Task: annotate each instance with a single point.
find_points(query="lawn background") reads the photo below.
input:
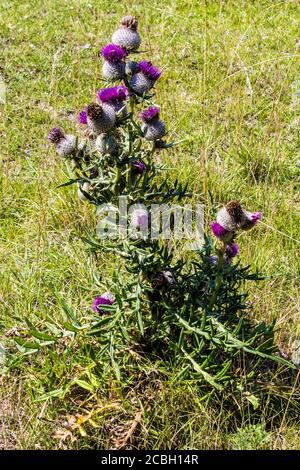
(230, 85)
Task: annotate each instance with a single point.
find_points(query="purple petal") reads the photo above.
(153, 73)
(255, 217)
(232, 250)
(113, 53)
(82, 116)
(149, 113)
(218, 230)
(55, 135)
(111, 95)
(139, 167)
(102, 300)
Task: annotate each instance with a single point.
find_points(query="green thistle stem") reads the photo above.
(219, 275)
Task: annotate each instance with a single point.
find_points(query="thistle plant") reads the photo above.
(188, 312)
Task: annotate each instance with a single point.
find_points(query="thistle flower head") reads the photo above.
(113, 53)
(56, 135)
(232, 250)
(129, 22)
(233, 217)
(82, 116)
(151, 72)
(149, 114)
(105, 299)
(113, 94)
(139, 167)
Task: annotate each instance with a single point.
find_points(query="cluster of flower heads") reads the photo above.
(229, 220)
(101, 117)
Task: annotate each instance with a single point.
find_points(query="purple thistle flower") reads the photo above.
(149, 70)
(82, 116)
(218, 230)
(139, 167)
(112, 95)
(255, 217)
(149, 114)
(56, 135)
(113, 53)
(105, 299)
(232, 250)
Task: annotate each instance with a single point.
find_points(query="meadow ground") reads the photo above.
(230, 85)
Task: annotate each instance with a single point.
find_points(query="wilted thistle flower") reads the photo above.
(139, 218)
(106, 143)
(114, 65)
(65, 143)
(139, 167)
(233, 217)
(114, 97)
(105, 299)
(154, 128)
(127, 36)
(142, 81)
(100, 119)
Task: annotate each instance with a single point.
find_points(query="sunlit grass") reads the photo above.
(229, 87)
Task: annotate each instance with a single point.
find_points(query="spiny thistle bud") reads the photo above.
(105, 299)
(106, 144)
(154, 128)
(65, 143)
(100, 119)
(114, 65)
(114, 97)
(86, 188)
(139, 167)
(127, 36)
(142, 81)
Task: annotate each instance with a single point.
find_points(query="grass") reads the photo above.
(230, 85)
